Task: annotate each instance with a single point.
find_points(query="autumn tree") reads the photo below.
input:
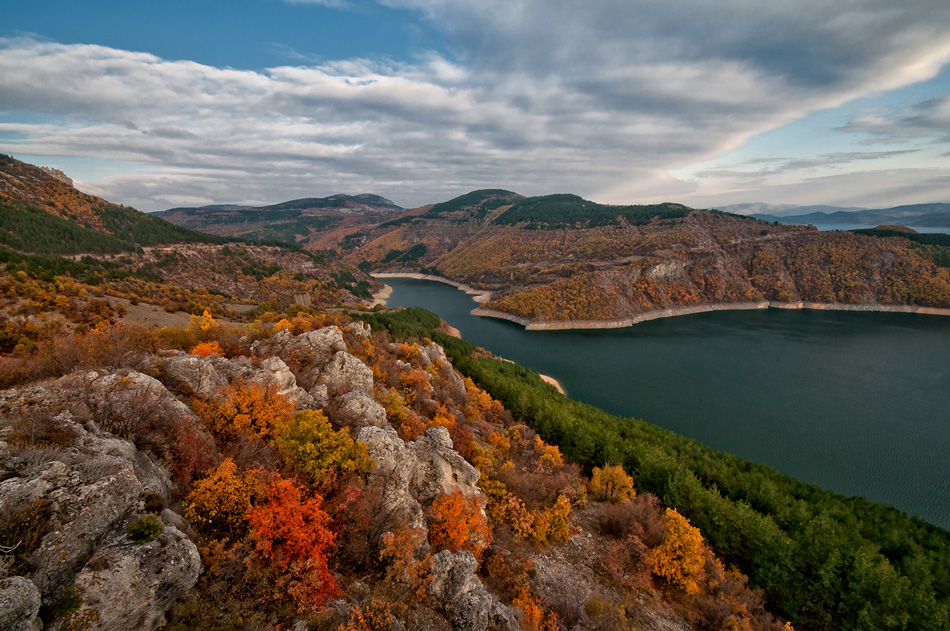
(245, 409)
(681, 557)
(310, 442)
(290, 530)
(207, 349)
(223, 498)
(611, 484)
(457, 523)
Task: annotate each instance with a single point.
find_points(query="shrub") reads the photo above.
(145, 529)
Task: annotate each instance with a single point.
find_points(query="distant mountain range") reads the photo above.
(293, 221)
(934, 215)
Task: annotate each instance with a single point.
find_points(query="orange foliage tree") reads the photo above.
(207, 349)
(680, 559)
(245, 409)
(457, 523)
(290, 530)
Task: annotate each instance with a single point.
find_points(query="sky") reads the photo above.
(186, 103)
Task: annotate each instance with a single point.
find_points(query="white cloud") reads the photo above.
(600, 98)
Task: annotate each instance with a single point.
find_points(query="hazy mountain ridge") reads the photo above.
(293, 221)
(933, 215)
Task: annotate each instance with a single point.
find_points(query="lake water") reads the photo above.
(858, 403)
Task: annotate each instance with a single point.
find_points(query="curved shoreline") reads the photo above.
(481, 297)
(478, 295)
(560, 325)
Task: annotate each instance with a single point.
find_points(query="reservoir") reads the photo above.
(858, 403)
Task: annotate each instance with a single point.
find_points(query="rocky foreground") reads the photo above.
(100, 468)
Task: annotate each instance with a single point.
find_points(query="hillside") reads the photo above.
(315, 474)
(71, 259)
(292, 222)
(561, 258)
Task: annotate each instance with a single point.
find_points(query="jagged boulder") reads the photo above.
(207, 376)
(358, 409)
(195, 375)
(435, 354)
(345, 373)
(359, 329)
(88, 485)
(313, 348)
(130, 586)
(463, 597)
(275, 371)
(416, 473)
(19, 605)
(83, 512)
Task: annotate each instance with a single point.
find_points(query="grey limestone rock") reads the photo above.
(345, 373)
(416, 473)
(196, 375)
(358, 409)
(463, 598)
(359, 329)
(19, 605)
(129, 585)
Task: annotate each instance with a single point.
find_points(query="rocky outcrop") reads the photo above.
(207, 376)
(193, 375)
(417, 472)
(358, 409)
(463, 597)
(345, 373)
(131, 586)
(91, 487)
(19, 605)
(313, 348)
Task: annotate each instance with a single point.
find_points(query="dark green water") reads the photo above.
(858, 403)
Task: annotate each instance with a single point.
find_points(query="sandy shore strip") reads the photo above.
(554, 382)
(478, 295)
(560, 325)
(380, 297)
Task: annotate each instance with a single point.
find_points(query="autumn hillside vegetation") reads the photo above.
(302, 463)
(824, 561)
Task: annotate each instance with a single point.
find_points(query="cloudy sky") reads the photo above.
(184, 102)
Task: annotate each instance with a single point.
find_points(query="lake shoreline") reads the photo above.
(482, 296)
(478, 295)
(564, 325)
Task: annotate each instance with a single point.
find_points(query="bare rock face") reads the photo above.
(313, 348)
(345, 373)
(320, 345)
(464, 599)
(129, 586)
(275, 371)
(436, 355)
(192, 374)
(91, 485)
(19, 605)
(206, 376)
(416, 473)
(359, 409)
(359, 329)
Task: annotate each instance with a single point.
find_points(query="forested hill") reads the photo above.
(294, 221)
(41, 211)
